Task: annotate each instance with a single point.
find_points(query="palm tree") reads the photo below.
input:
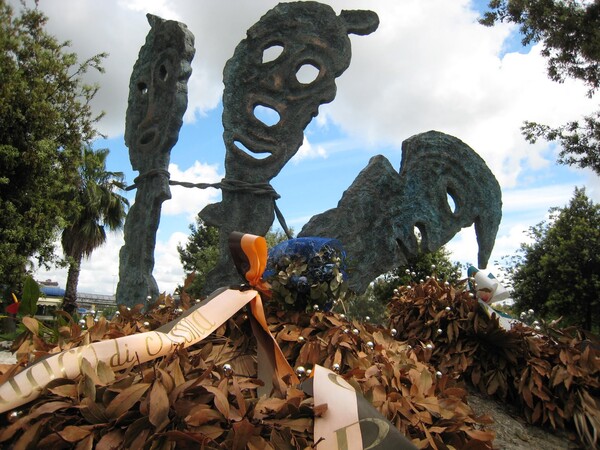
(100, 207)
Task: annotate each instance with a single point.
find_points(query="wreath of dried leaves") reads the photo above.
(189, 400)
(554, 376)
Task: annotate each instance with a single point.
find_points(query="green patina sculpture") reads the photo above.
(307, 34)
(157, 102)
(377, 216)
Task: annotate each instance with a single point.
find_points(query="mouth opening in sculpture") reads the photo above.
(256, 155)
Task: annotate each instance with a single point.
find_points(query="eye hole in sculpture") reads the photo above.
(307, 73)
(249, 152)
(143, 88)
(451, 201)
(272, 53)
(163, 73)
(266, 115)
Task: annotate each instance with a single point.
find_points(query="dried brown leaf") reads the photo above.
(242, 431)
(159, 406)
(111, 440)
(126, 399)
(73, 433)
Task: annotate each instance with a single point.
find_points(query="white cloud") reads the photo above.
(309, 151)
(190, 201)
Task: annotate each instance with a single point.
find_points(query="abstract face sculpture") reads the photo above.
(158, 94)
(266, 71)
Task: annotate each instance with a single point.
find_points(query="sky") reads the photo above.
(429, 66)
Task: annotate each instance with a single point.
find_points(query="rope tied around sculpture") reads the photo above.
(225, 184)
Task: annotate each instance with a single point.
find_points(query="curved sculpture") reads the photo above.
(376, 218)
(307, 35)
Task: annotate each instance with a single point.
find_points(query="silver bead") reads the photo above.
(536, 322)
(393, 332)
(413, 274)
(407, 271)
(427, 277)
(308, 372)
(345, 330)
(301, 339)
(446, 283)
(438, 374)
(227, 370)
(421, 281)
(13, 416)
(409, 347)
(440, 331)
(118, 313)
(301, 372)
(179, 310)
(471, 295)
(146, 324)
(316, 307)
(128, 308)
(335, 367)
(162, 306)
(523, 315)
(429, 346)
(82, 321)
(245, 317)
(447, 308)
(198, 300)
(149, 298)
(370, 345)
(342, 316)
(367, 318)
(355, 332)
(433, 267)
(537, 328)
(408, 288)
(531, 312)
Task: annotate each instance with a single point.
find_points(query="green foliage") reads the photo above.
(558, 274)
(45, 115)
(31, 295)
(98, 206)
(570, 35)
(199, 255)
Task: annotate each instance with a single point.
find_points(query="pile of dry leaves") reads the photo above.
(205, 396)
(554, 375)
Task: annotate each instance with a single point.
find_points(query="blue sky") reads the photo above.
(430, 65)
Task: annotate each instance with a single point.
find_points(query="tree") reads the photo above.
(45, 115)
(99, 206)
(199, 255)
(569, 31)
(374, 301)
(558, 274)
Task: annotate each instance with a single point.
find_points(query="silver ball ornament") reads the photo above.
(227, 370)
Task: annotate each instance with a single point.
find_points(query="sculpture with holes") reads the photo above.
(157, 101)
(274, 84)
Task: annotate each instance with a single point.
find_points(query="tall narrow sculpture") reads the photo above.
(157, 102)
(308, 36)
